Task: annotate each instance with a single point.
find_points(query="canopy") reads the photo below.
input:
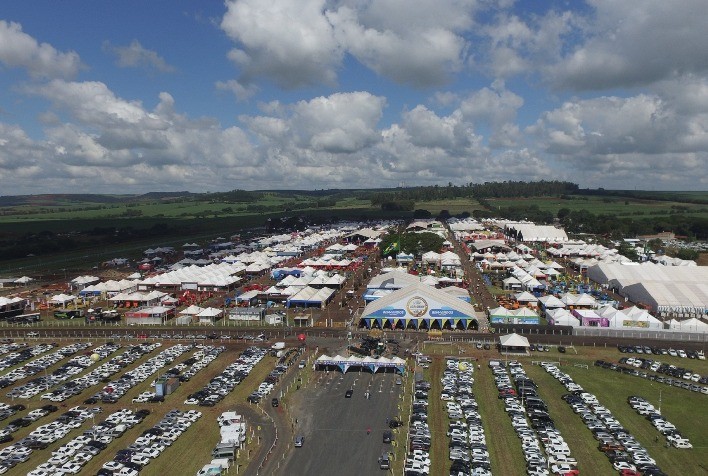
(514, 340)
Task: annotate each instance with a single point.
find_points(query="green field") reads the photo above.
(454, 206)
(599, 205)
(685, 409)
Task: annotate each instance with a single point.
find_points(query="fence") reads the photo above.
(669, 335)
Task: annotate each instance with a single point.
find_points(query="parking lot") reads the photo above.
(335, 427)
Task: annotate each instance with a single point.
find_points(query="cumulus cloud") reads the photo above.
(41, 60)
(93, 103)
(303, 42)
(288, 41)
(633, 43)
(657, 137)
(136, 55)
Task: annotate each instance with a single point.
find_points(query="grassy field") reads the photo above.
(503, 443)
(583, 446)
(437, 421)
(687, 410)
(454, 206)
(619, 206)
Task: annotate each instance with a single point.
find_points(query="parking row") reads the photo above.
(27, 420)
(44, 435)
(532, 422)
(667, 369)
(7, 411)
(100, 374)
(645, 349)
(666, 428)
(419, 436)
(683, 379)
(7, 347)
(183, 371)
(131, 460)
(24, 354)
(623, 450)
(73, 366)
(557, 451)
(222, 384)
(115, 389)
(265, 387)
(468, 445)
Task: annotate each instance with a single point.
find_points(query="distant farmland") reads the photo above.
(603, 205)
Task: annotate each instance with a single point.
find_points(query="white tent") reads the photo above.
(209, 315)
(551, 302)
(689, 325)
(514, 343)
(62, 299)
(633, 317)
(192, 310)
(562, 317)
(526, 297)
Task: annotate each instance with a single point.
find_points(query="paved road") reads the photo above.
(335, 428)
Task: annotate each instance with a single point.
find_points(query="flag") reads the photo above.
(395, 246)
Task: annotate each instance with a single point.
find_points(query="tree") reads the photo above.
(627, 250)
(655, 244)
(414, 243)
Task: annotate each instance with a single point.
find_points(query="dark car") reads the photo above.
(561, 349)
(275, 402)
(394, 423)
(349, 393)
(97, 444)
(387, 436)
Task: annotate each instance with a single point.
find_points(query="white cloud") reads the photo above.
(92, 103)
(631, 43)
(303, 42)
(288, 41)
(136, 55)
(41, 60)
(646, 139)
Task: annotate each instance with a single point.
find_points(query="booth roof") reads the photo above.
(513, 340)
(424, 290)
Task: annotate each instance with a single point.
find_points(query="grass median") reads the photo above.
(687, 410)
(502, 442)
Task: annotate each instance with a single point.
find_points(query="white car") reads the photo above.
(127, 472)
(682, 444)
(112, 466)
(71, 468)
(620, 465)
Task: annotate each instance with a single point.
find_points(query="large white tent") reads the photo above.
(679, 291)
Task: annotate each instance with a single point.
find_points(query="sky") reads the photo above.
(205, 96)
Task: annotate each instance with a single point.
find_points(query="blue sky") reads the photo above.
(134, 96)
